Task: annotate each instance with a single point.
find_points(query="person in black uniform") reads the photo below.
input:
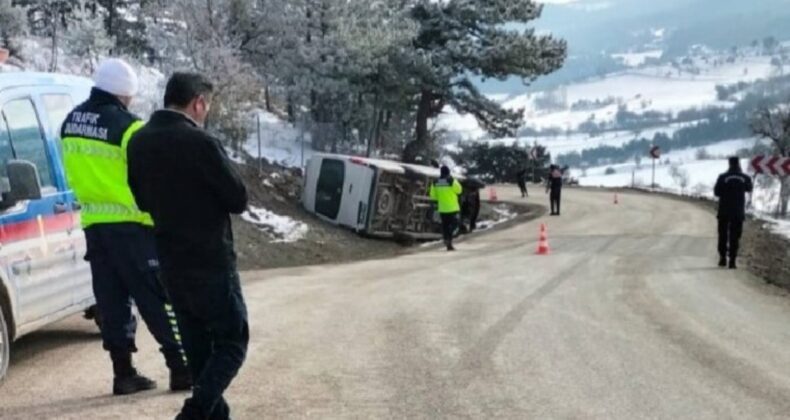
(554, 187)
(181, 175)
(521, 180)
(731, 188)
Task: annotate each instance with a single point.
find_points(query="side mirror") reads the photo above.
(24, 180)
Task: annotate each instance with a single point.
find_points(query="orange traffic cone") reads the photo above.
(543, 245)
(492, 194)
(616, 199)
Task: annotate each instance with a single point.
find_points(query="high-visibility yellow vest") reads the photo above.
(95, 163)
(445, 192)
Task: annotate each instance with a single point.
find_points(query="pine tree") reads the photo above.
(204, 36)
(461, 39)
(86, 36)
(13, 24)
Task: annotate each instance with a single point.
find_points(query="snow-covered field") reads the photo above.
(577, 142)
(653, 88)
(638, 59)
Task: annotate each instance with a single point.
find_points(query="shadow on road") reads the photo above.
(40, 342)
(68, 407)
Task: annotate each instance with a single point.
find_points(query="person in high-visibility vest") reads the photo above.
(445, 192)
(120, 240)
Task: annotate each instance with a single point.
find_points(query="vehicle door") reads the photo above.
(31, 230)
(56, 103)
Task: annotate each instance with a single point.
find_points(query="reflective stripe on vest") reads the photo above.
(111, 209)
(97, 173)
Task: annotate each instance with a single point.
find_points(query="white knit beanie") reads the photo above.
(117, 77)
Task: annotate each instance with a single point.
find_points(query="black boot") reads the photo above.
(190, 411)
(723, 262)
(733, 266)
(127, 380)
(180, 379)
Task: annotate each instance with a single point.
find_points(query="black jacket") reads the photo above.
(102, 118)
(731, 188)
(182, 176)
(554, 182)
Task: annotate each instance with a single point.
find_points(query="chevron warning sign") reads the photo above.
(771, 165)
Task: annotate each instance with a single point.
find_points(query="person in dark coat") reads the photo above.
(554, 188)
(182, 176)
(521, 180)
(731, 188)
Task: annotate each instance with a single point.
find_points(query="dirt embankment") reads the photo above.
(278, 189)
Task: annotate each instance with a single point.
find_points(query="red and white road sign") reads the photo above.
(771, 165)
(655, 152)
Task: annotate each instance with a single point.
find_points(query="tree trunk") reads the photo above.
(784, 196)
(422, 136)
(53, 65)
(267, 98)
(423, 114)
(372, 132)
(379, 126)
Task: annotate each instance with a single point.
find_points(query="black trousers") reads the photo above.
(730, 231)
(449, 224)
(555, 196)
(523, 187)
(125, 269)
(212, 317)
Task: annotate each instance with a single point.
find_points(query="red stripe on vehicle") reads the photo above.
(14, 232)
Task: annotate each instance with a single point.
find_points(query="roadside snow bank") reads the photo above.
(503, 214)
(282, 228)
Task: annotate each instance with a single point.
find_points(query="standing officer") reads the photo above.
(731, 188)
(521, 180)
(120, 241)
(554, 187)
(181, 174)
(445, 191)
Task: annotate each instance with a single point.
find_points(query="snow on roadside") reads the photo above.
(282, 228)
(504, 214)
(781, 227)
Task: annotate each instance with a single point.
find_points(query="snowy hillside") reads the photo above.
(662, 88)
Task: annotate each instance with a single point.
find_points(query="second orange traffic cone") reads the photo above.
(492, 194)
(543, 245)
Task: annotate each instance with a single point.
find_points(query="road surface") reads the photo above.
(627, 319)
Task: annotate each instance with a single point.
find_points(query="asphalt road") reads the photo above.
(627, 319)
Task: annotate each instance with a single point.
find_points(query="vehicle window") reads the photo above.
(6, 153)
(58, 107)
(329, 192)
(27, 140)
